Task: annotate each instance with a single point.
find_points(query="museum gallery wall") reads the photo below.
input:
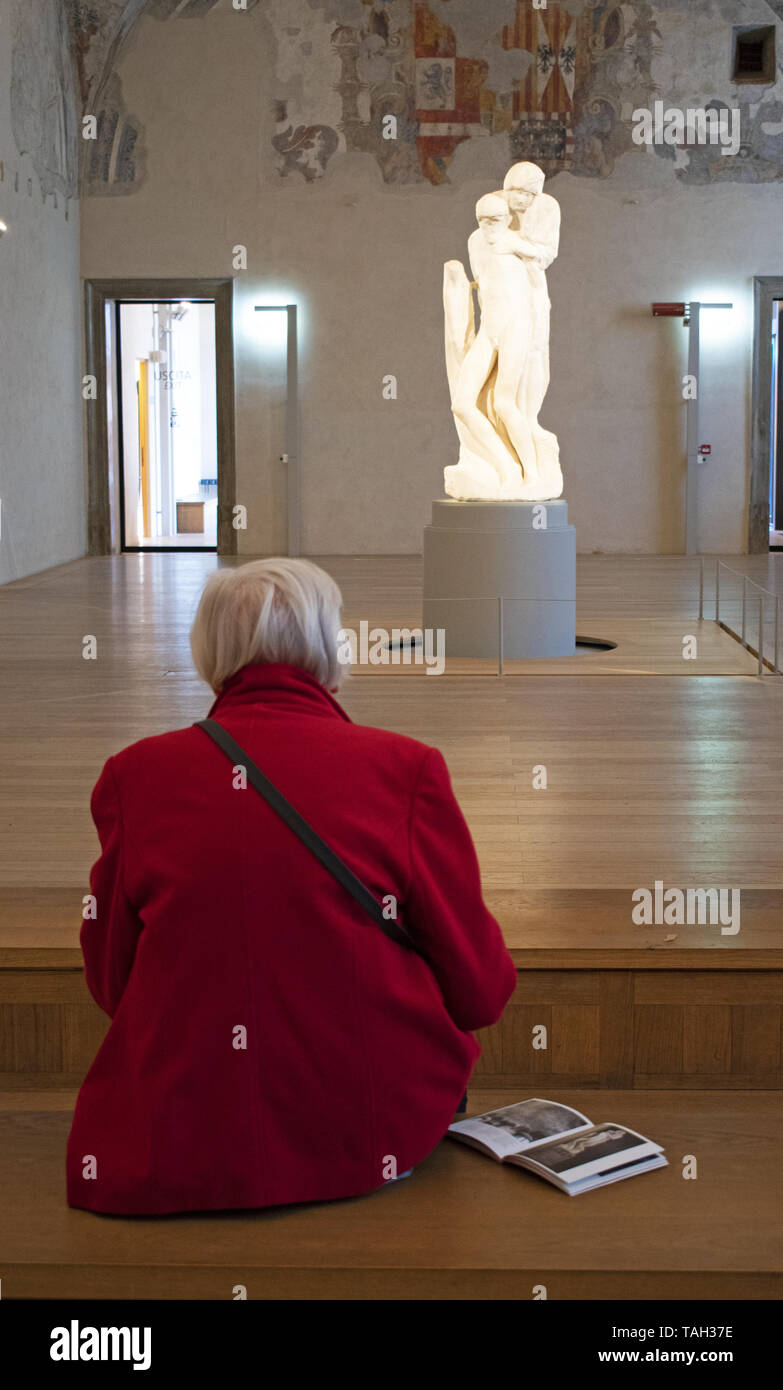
(41, 462)
(345, 158)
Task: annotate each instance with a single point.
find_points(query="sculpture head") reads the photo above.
(521, 184)
(493, 216)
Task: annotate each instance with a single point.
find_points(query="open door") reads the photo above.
(168, 445)
(191, 492)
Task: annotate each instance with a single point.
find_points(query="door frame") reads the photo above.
(776, 518)
(766, 289)
(97, 295)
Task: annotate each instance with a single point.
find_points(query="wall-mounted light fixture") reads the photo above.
(3, 226)
(290, 456)
(689, 312)
(682, 310)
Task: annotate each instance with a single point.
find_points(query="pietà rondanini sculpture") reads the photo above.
(499, 372)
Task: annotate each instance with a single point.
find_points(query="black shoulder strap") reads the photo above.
(304, 830)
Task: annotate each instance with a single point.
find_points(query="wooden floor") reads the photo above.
(643, 647)
(657, 769)
(461, 1227)
(670, 778)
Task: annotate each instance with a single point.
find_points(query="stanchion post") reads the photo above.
(500, 636)
(761, 634)
(701, 587)
(744, 605)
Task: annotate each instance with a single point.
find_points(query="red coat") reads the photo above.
(212, 918)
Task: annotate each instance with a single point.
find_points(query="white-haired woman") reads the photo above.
(293, 992)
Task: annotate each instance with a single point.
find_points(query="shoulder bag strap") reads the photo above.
(305, 832)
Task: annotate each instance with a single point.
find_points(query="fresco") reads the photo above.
(116, 161)
(556, 85)
(758, 160)
(190, 9)
(550, 82)
(43, 110)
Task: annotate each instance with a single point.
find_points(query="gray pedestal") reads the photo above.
(478, 552)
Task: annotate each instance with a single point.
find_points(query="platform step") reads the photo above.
(622, 1006)
(656, 1029)
(461, 1227)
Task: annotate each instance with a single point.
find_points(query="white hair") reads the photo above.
(268, 610)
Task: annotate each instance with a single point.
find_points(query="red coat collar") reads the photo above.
(281, 685)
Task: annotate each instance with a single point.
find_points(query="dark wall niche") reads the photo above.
(753, 54)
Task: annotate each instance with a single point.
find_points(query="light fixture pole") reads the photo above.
(292, 432)
(690, 312)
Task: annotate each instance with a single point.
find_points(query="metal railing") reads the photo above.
(742, 636)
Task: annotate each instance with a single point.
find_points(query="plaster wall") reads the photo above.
(359, 244)
(41, 451)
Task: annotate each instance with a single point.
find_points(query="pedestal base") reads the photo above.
(523, 552)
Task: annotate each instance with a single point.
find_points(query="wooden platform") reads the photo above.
(646, 778)
(623, 1006)
(571, 928)
(462, 1227)
(718, 1030)
(668, 778)
(675, 1031)
(643, 647)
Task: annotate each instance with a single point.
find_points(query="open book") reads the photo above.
(560, 1144)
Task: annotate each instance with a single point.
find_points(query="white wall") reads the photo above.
(194, 439)
(363, 259)
(41, 460)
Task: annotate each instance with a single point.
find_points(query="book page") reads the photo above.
(514, 1128)
(595, 1150)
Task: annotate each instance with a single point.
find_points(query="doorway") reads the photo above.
(765, 518)
(167, 420)
(160, 416)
